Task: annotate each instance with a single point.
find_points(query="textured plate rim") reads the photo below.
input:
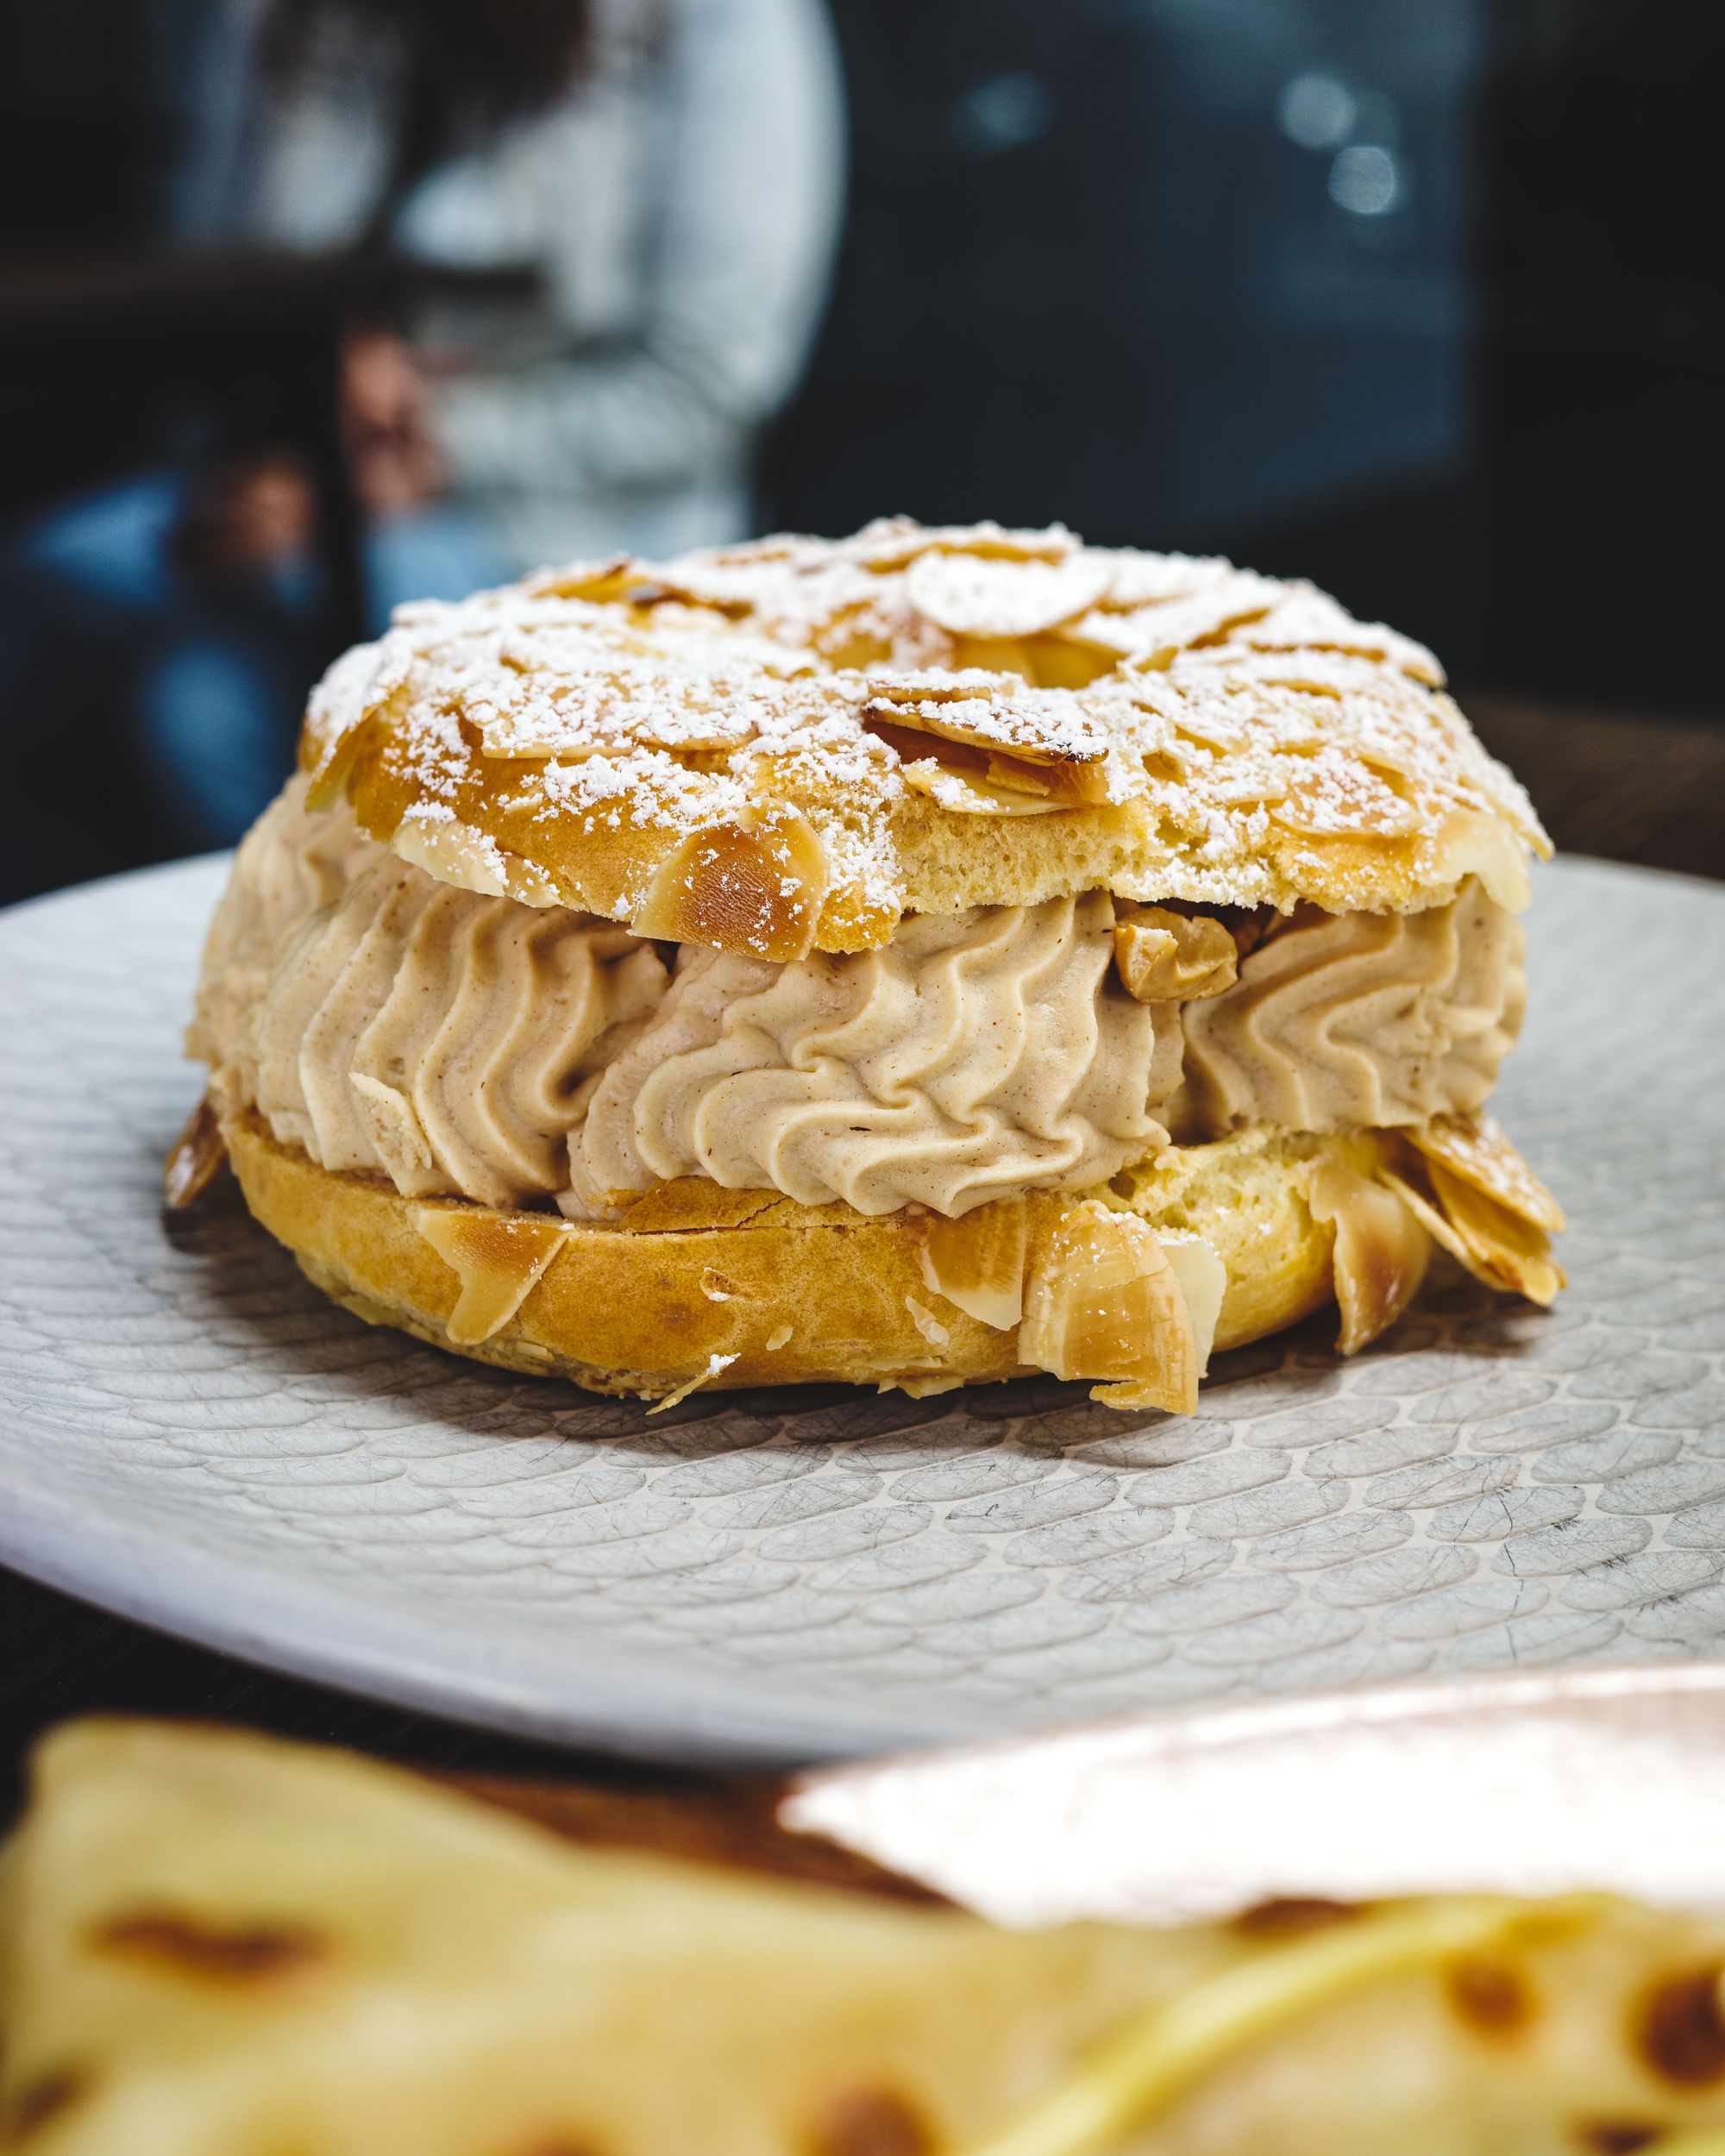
(304, 1629)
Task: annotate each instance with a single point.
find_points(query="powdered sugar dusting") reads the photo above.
(984, 595)
(1249, 740)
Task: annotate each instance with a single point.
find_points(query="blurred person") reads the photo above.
(669, 168)
(667, 173)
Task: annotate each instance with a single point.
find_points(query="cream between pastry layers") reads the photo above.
(1096, 1111)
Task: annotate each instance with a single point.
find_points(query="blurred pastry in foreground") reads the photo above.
(213, 1944)
(914, 960)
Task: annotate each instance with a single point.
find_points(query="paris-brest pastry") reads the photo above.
(918, 959)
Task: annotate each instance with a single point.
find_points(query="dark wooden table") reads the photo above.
(1638, 789)
(1615, 784)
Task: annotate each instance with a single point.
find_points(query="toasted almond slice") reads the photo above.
(983, 711)
(335, 758)
(549, 736)
(397, 1136)
(1074, 784)
(1203, 1281)
(456, 853)
(196, 1159)
(1306, 618)
(893, 542)
(499, 1257)
(978, 595)
(1329, 795)
(591, 690)
(1147, 579)
(754, 885)
(977, 1261)
(1512, 1252)
(1475, 1148)
(965, 793)
(1153, 636)
(1425, 1209)
(1163, 958)
(985, 781)
(1493, 1243)
(1101, 1299)
(933, 1331)
(1380, 1250)
(341, 710)
(598, 581)
(1471, 843)
(715, 1364)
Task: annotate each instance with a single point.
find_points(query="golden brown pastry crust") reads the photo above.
(696, 1272)
(788, 746)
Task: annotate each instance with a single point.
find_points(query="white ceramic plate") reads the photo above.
(192, 1437)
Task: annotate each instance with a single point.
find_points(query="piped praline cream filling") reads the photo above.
(459, 1044)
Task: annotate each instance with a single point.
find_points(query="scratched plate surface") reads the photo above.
(194, 1436)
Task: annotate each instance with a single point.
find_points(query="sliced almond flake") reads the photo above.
(1164, 957)
(1512, 1250)
(881, 629)
(1261, 784)
(715, 1364)
(1151, 636)
(970, 794)
(933, 1331)
(398, 1137)
(1475, 1148)
(1305, 618)
(1470, 842)
(595, 581)
(199, 1153)
(736, 587)
(1148, 580)
(1380, 1250)
(1203, 1281)
(753, 885)
(1208, 724)
(500, 1258)
(1498, 1247)
(1330, 796)
(357, 683)
(971, 595)
(429, 836)
(780, 1337)
(893, 542)
(619, 704)
(977, 1261)
(1305, 670)
(1101, 1301)
(1044, 726)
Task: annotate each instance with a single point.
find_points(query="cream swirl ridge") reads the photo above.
(289, 865)
(384, 1022)
(979, 1053)
(389, 1024)
(1359, 1020)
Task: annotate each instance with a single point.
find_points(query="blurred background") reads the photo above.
(310, 306)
